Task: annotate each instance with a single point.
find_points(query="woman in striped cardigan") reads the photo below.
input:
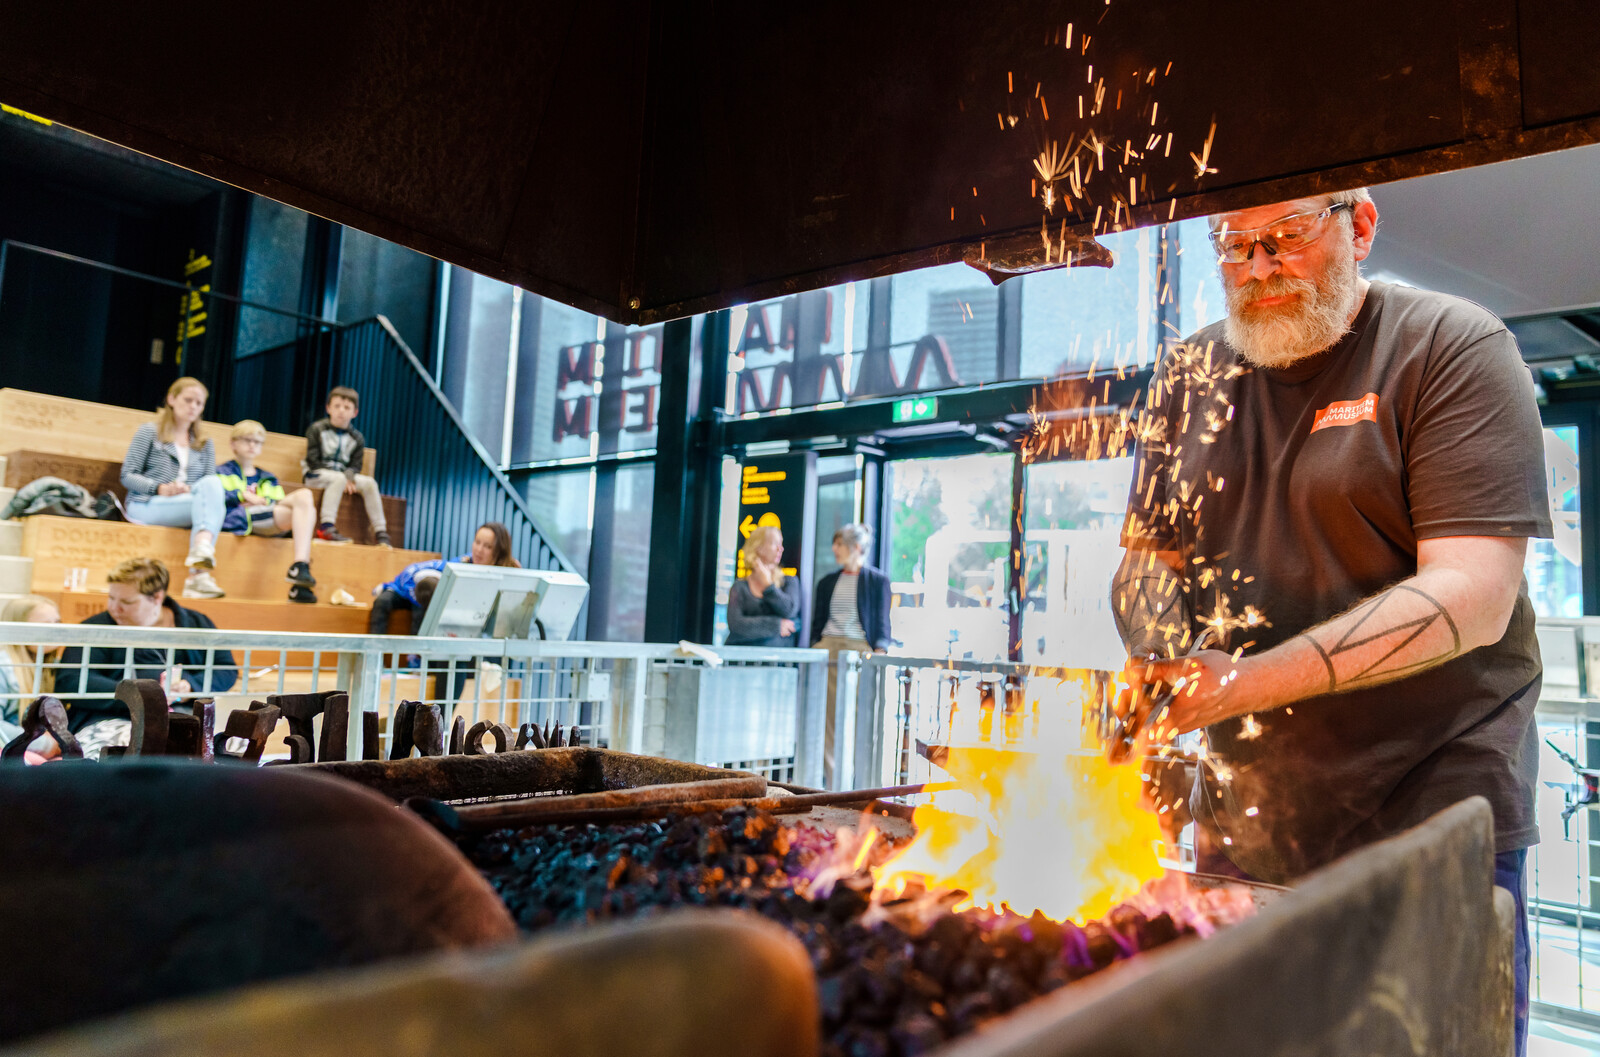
(171, 477)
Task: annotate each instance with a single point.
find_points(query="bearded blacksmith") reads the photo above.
(1341, 479)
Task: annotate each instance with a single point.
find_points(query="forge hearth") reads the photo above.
(1400, 948)
(895, 979)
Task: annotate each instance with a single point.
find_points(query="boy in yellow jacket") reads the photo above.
(258, 506)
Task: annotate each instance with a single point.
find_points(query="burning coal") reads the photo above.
(895, 976)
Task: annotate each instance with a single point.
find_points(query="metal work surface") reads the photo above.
(649, 161)
(573, 770)
(1397, 948)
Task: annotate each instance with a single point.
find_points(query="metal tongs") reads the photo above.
(1125, 730)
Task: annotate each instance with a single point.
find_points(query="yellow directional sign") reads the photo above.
(777, 492)
(768, 520)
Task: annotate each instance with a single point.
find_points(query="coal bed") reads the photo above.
(897, 977)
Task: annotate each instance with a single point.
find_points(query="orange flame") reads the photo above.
(1052, 829)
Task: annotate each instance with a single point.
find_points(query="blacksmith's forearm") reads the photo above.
(1417, 624)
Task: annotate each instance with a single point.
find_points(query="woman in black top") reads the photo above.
(138, 598)
(763, 608)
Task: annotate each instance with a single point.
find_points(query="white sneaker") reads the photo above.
(201, 584)
(202, 556)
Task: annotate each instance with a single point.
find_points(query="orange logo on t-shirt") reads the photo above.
(1347, 412)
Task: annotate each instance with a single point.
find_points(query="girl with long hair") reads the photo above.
(170, 473)
(22, 675)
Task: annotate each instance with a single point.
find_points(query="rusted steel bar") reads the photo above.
(652, 799)
(561, 771)
(629, 806)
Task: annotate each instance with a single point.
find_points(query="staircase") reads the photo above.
(450, 483)
(16, 571)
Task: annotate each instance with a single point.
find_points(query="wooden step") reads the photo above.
(100, 475)
(80, 428)
(249, 568)
(321, 618)
(92, 475)
(16, 575)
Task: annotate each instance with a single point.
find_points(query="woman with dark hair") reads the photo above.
(412, 588)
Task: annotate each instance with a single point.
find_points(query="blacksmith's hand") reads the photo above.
(1203, 692)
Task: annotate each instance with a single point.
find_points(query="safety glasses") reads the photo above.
(1288, 235)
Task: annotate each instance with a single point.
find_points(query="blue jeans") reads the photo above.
(1511, 873)
(201, 510)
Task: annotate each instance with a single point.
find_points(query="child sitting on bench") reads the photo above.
(334, 451)
(258, 506)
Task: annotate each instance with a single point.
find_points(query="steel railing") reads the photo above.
(629, 696)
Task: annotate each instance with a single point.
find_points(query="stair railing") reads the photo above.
(427, 454)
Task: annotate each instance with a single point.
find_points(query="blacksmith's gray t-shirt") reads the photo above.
(1315, 483)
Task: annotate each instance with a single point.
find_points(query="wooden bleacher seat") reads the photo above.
(249, 569)
(84, 442)
(320, 619)
(58, 425)
(99, 475)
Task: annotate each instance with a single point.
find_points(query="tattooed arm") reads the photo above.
(1150, 603)
(1461, 598)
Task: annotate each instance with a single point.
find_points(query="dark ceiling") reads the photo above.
(648, 160)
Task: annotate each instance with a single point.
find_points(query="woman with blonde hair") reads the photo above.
(763, 606)
(170, 473)
(22, 676)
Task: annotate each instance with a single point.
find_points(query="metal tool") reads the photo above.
(1583, 792)
(1125, 730)
(47, 715)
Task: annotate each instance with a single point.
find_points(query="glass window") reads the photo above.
(624, 505)
(273, 261)
(563, 503)
(1076, 317)
(1071, 525)
(1555, 566)
(561, 357)
(584, 386)
(838, 505)
(952, 303)
(948, 543)
(727, 560)
(797, 351)
(1199, 284)
(477, 354)
(378, 277)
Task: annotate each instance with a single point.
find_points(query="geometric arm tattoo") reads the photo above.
(1387, 637)
(1150, 605)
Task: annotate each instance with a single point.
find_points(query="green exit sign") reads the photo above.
(916, 409)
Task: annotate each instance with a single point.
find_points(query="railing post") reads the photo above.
(808, 719)
(840, 724)
(868, 722)
(629, 686)
(363, 685)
